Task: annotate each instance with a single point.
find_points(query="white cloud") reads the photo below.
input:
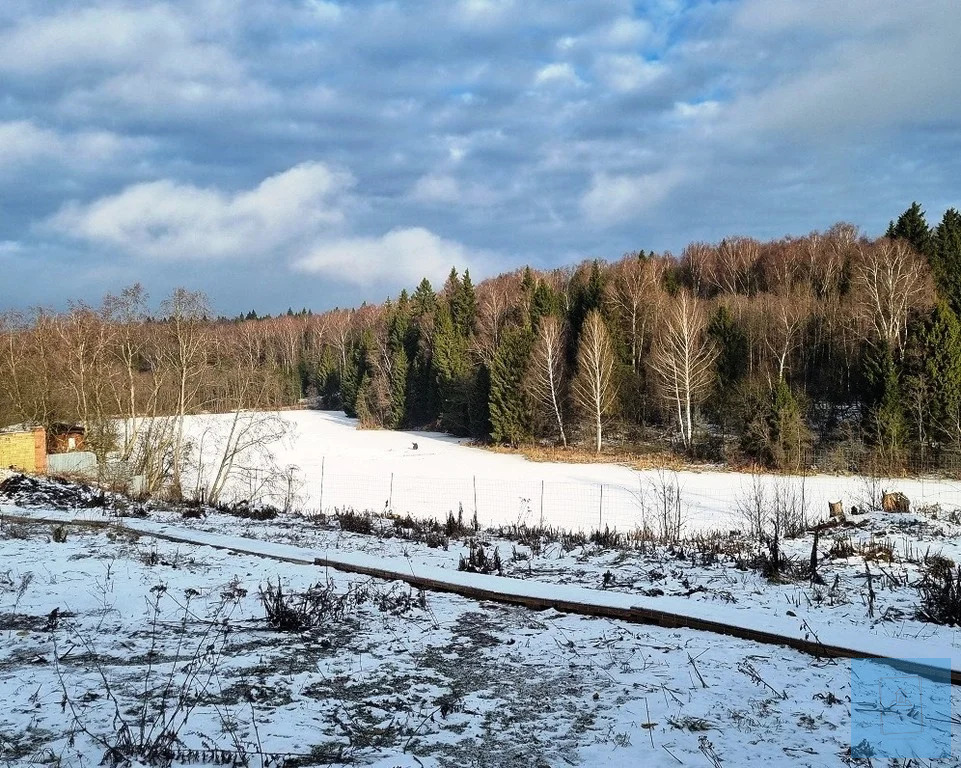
(326, 11)
(169, 221)
(444, 188)
(108, 36)
(627, 72)
(626, 32)
(879, 66)
(399, 256)
(436, 188)
(612, 199)
(558, 73)
(23, 142)
(153, 58)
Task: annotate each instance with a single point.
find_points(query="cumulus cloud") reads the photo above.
(23, 142)
(170, 221)
(477, 120)
(612, 199)
(402, 256)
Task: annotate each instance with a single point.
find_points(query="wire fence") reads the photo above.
(665, 502)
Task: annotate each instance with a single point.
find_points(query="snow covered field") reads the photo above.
(336, 465)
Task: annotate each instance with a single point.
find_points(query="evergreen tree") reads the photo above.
(913, 227)
(933, 377)
(422, 397)
(399, 371)
(544, 302)
(357, 370)
(463, 303)
(730, 366)
(775, 433)
(510, 407)
(586, 296)
(946, 259)
(452, 368)
(886, 416)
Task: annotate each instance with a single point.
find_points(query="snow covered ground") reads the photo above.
(97, 622)
(92, 622)
(336, 465)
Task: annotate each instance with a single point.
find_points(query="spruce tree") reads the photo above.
(730, 366)
(934, 376)
(912, 226)
(452, 369)
(510, 407)
(946, 259)
(886, 418)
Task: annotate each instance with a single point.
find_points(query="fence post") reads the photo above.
(475, 495)
(322, 460)
(600, 510)
(390, 494)
(542, 503)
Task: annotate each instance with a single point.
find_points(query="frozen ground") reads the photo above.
(395, 679)
(336, 465)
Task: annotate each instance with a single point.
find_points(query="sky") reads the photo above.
(292, 153)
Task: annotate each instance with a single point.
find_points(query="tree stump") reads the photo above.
(836, 510)
(895, 502)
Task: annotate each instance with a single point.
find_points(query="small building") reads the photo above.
(24, 447)
(65, 438)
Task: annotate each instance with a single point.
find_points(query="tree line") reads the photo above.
(816, 348)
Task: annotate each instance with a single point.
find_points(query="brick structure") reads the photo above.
(24, 448)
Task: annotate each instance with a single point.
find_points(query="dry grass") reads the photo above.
(577, 455)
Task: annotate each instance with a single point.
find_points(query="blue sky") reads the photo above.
(317, 153)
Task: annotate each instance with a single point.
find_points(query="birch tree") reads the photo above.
(683, 360)
(892, 280)
(185, 354)
(594, 390)
(546, 373)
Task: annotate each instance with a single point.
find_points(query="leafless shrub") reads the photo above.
(149, 732)
(940, 592)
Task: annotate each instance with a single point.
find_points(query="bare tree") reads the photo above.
(185, 354)
(634, 294)
(128, 312)
(594, 390)
(683, 359)
(546, 373)
(891, 280)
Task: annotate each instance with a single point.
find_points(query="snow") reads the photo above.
(92, 622)
(828, 634)
(337, 465)
(455, 682)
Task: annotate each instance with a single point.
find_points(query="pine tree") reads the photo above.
(510, 408)
(946, 259)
